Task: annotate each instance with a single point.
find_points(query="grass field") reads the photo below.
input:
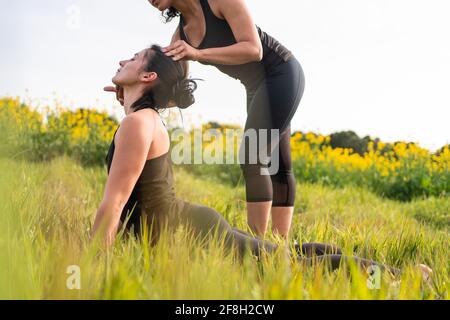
(47, 209)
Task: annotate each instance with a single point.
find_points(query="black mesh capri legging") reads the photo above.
(271, 106)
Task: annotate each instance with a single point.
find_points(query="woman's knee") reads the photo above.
(258, 184)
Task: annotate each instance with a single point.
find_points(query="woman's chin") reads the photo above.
(116, 81)
(162, 8)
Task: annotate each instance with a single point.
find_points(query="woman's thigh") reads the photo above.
(275, 101)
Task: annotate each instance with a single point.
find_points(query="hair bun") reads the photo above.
(183, 93)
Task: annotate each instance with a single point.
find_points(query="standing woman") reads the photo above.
(222, 33)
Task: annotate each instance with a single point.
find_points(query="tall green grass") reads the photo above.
(47, 210)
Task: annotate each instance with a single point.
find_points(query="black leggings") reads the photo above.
(272, 105)
(205, 221)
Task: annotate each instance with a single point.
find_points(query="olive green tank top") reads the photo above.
(154, 192)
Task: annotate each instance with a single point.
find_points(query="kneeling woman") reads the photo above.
(140, 176)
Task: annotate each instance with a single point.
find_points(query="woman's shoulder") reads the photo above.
(138, 122)
(141, 117)
(216, 7)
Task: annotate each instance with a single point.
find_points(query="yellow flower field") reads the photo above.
(399, 170)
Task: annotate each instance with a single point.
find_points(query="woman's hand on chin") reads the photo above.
(118, 91)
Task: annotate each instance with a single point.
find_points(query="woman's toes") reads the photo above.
(427, 272)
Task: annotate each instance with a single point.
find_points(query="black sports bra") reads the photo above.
(219, 34)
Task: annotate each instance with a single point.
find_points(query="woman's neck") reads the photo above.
(130, 96)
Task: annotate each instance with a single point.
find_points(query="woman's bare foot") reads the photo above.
(427, 272)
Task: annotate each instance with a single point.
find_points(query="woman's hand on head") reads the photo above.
(181, 50)
(118, 91)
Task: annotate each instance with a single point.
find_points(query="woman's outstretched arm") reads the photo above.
(247, 49)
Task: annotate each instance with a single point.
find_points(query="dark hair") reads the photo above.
(172, 85)
(170, 13)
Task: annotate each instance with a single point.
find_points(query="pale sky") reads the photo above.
(377, 67)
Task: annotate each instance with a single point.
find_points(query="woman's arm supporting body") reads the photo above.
(247, 49)
(132, 144)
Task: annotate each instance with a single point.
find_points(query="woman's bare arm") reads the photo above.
(247, 49)
(128, 162)
(175, 38)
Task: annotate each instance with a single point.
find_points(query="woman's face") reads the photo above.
(161, 5)
(131, 71)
